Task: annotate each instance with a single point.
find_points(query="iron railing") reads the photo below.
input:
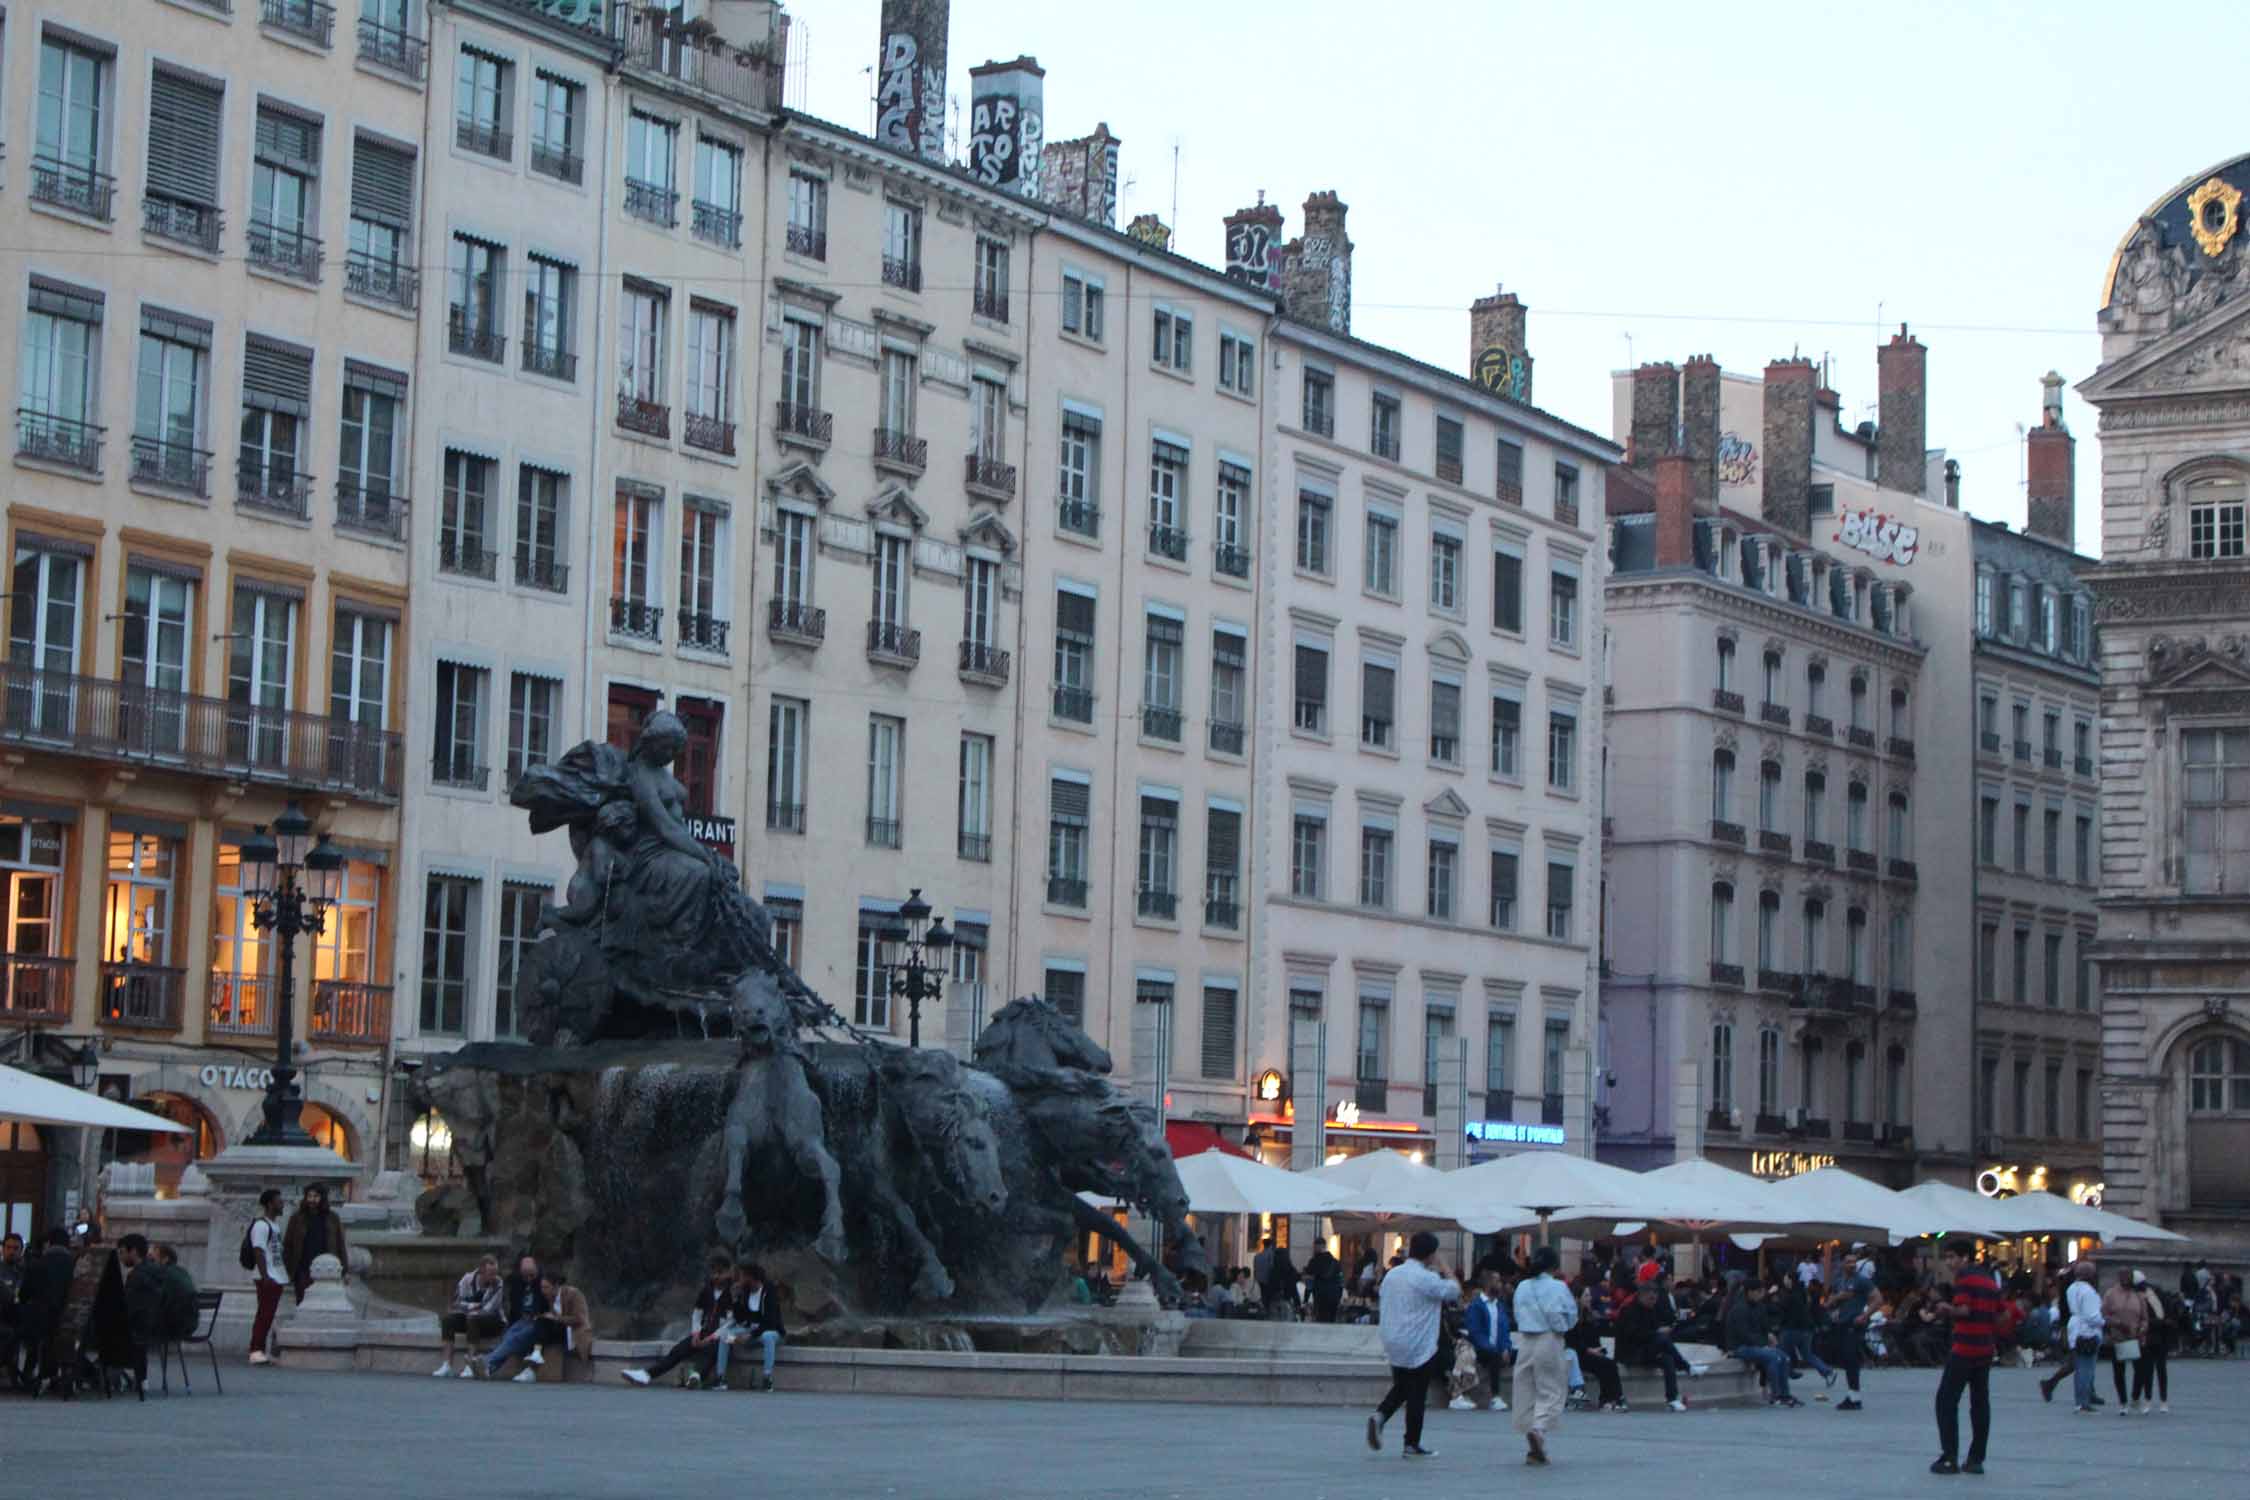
(36, 988)
(1729, 975)
(711, 434)
(656, 39)
(1772, 842)
(457, 767)
(145, 997)
(989, 476)
(476, 338)
(558, 162)
(1079, 518)
(704, 632)
(1902, 747)
(309, 19)
(1066, 890)
(804, 240)
(349, 1013)
(182, 222)
(985, 663)
(554, 363)
(547, 574)
(991, 302)
(896, 642)
(284, 251)
(1723, 832)
(1160, 723)
(1161, 905)
(370, 508)
(901, 450)
(804, 424)
(792, 619)
(720, 226)
(381, 279)
(885, 833)
(175, 466)
(59, 440)
(1167, 542)
(975, 847)
(484, 137)
(1774, 713)
(389, 47)
(1230, 561)
(901, 272)
(648, 418)
(1566, 511)
(467, 557)
(636, 618)
(275, 489)
(72, 185)
(1821, 725)
(785, 817)
(1075, 704)
(1226, 738)
(652, 201)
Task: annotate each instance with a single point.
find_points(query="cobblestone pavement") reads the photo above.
(340, 1436)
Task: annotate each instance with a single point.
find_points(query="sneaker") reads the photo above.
(716, 1385)
(260, 1357)
(1496, 1404)
(1945, 1466)
(1375, 1433)
(1416, 1450)
(766, 1383)
(1786, 1401)
(442, 1371)
(2084, 1411)
(1619, 1406)
(2146, 1408)
(2126, 1410)
(635, 1377)
(535, 1358)
(693, 1382)
(1697, 1372)
(2047, 1390)
(1538, 1453)
(1675, 1404)
(525, 1377)
(1460, 1403)
(2165, 1407)
(1849, 1403)
(1829, 1379)
(469, 1370)
(1972, 1467)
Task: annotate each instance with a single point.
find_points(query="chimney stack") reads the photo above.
(1316, 271)
(1150, 230)
(1499, 353)
(1254, 244)
(1953, 484)
(1080, 176)
(1007, 124)
(2051, 471)
(1656, 415)
(910, 77)
(1675, 509)
(1901, 449)
(1699, 424)
(1788, 439)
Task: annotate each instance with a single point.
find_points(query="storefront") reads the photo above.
(2039, 1255)
(220, 1095)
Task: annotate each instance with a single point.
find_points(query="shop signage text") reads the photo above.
(1347, 1112)
(715, 834)
(1774, 1165)
(2007, 1181)
(214, 1077)
(1514, 1133)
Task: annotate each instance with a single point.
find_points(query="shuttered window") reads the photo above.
(1066, 992)
(382, 183)
(288, 140)
(1312, 677)
(1070, 802)
(1223, 845)
(276, 376)
(183, 137)
(1074, 615)
(1219, 1007)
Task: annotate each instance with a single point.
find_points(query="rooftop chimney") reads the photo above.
(1150, 230)
(1316, 270)
(1080, 176)
(2051, 471)
(1953, 484)
(1787, 499)
(1007, 124)
(1699, 424)
(1675, 509)
(1254, 244)
(1656, 414)
(1901, 449)
(910, 77)
(1499, 355)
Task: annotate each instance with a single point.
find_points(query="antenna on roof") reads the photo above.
(1175, 184)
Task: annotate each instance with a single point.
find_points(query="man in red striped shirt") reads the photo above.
(1976, 1306)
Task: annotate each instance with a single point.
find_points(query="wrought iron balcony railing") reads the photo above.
(380, 279)
(1079, 517)
(467, 557)
(389, 47)
(803, 239)
(989, 477)
(992, 302)
(174, 466)
(1160, 905)
(484, 137)
(891, 641)
(652, 201)
(1074, 704)
(1226, 739)
(720, 226)
(1726, 702)
(1067, 890)
(704, 632)
(59, 440)
(456, 766)
(711, 434)
(370, 507)
(276, 489)
(554, 363)
(901, 450)
(648, 418)
(558, 162)
(284, 251)
(635, 618)
(984, 663)
(1229, 560)
(798, 423)
(885, 833)
(240, 1005)
(1167, 542)
(785, 817)
(1160, 723)
(545, 573)
(75, 186)
(903, 273)
(195, 225)
(797, 622)
(309, 19)
(475, 337)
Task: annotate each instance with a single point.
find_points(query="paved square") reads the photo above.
(338, 1436)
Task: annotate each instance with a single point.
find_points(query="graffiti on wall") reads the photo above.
(1249, 251)
(1877, 535)
(909, 99)
(1108, 214)
(1504, 374)
(1738, 460)
(1004, 143)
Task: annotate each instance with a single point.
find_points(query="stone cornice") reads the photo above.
(2126, 592)
(2226, 409)
(1759, 610)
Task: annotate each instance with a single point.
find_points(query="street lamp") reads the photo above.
(289, 879)
(914, 957)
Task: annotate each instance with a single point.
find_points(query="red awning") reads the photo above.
(1193, 1137)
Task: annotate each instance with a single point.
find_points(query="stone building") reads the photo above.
(2173, 609)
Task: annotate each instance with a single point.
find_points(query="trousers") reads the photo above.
(1798, 1345)
(768, 1342)
(1770, 1362)
(1541, 1384)
(1602, 1370)
(1974, 1376)
(269, 1303)
(1410, 1388)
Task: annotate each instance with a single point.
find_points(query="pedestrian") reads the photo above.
(2084, 1333)
(1414, 1294)
(523, 1304)
(315, 1229)
(1850, 1310)
(2124, 1319)
(2156, 1346)
(1278, 1284)
(1545, 1314)
(269, 1268)
(1325, 1273)
(1486, 1324)
(1968, 1364)
(1797, 1330)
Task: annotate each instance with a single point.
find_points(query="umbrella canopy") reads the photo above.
(1941, 1208)
(2046, 1213)
(1723, 1198)
(1835, 1196)
(32, 1100)
(1568, 1194)
(1385, 1185)
(1218, 1183)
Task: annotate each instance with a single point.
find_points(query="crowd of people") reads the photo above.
(737, 1314)
(77, 1312)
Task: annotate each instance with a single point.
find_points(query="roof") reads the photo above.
(2175, 220)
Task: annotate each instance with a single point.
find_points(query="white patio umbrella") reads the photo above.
(1386, 1186)
(1220, 1183)
(1735, 1202)
(31, 1100)
(1560, 1193)
(1941, 1208)
(2048, 1213)
(1835, 1196)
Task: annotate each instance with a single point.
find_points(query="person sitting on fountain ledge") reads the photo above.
(714, 1307)
(475, 1314)
(523, 1305)
(568, 1326)
(755, 1322)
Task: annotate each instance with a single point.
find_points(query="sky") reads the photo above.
(1654, 180)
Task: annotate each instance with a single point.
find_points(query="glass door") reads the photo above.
(154, 661)
(259, 660)
(43, 641)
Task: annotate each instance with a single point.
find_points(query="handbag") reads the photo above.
(2128, 1350)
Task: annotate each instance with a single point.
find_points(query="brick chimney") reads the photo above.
(1787, 500)
(1150, 230)
(1953, 484)
(910, 77)
(1901, 447)
(1080, 176)
(1675, 509)
(1254, 244)
(1499, 351)
(1656, 415)
(1316, 272)
(2051, 470)
(1007, 124)
(1699, 424)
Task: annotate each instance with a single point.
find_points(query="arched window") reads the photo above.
(1816, 795)
(1773, 677)
(1726, 664)
(1722, 923)
(1859, 702)
(1722, 786)
(1855, 946)
(1816, 689)
(2219, 1076)
(1900, 841)
(1722, 1066)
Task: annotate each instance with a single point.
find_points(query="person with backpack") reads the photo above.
(262, 1257)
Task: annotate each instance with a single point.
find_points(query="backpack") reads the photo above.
(249, 1251)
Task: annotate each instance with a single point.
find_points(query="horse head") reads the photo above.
(763, 1018)
(1032, 1033)
(952, 1123)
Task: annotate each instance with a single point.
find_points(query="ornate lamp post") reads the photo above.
(914, 958)
(290, 881)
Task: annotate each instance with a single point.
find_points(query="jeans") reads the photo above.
(1976, 1376)
(1851, 1349)
(1603, 1369)
(2082, 1375)
(1772, 1363)
(1665, 1358)
(1410, 1387)
(1797, 1344)
(681, 1352)
(519, 1339)
(1490, 1365)
(768, 1342)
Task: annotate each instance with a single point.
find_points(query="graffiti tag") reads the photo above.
(993, 130)
(1249, 248)
(1878, 536)
(905, 118)
(1503, 373)
(1738, 460)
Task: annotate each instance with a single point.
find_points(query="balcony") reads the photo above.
(1566, 511)
(457, 767)
(478, 339)
(1508, 492)
(558, 162)
(715, 225)
(131, 723)
(656, 39)
(387, 47)
(308, 19)
(1900, 1000)
(1779, 982)
(884, 833)
(892, 644)
(2083, 765)
(1074, 704)
(173, 466)
(483, 137)
(1066, 890)
(1860, 861)
(1726, 702)
(1729, 975)
(901, 451)
(1988, 742)
(1230, 561)
(1815, 1127)
(1550, 1109)
(1226, 739)
(652, 201)
(285, 252)
(1158, 905)
(467, 557)
(59, 440)
(902, 273)
(1220, 909)
(1720, 1119)
(554, 363)
(983, 664)
(1167, 542)
(635, 619)
(703, 632)
(711, 434)
(1724, 832)
(1821, 725)
(1770, 1124)
(195, 225)
(382, 280)
(974, 847)
(1859, 1130)
(1819, 853)
(1902, 747)
(785, 817)
(1774, 713)
(241, 1005)
(2052, 758)
(347, 1013)
(546, 574)
(75, 186)
(1903, 869)
(1079, 518)
(989, 477)
(1449, 470)
(141, 997)
(2023, 751)
(795, 623)
(803, 239)
(991, 302)
(1770, 842)
(1160, 723)
(274, 490)
(1860, 739)
(1371, 1093)
(648, 418)
(806, 426)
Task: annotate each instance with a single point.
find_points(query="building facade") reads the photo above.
(2173, 608)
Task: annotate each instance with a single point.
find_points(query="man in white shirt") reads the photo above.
(270, 1277)
(2084, 1332)
(1413, 1297)
(1545, 1311)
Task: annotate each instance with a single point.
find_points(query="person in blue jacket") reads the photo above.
(1486, 1323)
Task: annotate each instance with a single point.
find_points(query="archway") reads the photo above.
(23, 1180)
(170, 1154)
(327, 1128)
(2218, 1119)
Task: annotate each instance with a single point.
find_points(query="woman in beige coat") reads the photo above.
(2124, 1321)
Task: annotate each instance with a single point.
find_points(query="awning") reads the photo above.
(1193, 1137)
(41, 1101)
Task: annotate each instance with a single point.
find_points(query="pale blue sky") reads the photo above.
(1747, 180)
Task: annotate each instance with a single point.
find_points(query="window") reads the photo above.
(1510, 484)
(890, 581)
(480, 104)
(1900, 835)
(988, 414)
(885, 794)
(974, 804)
(2082, 849)
(2051, 843)
(1222, 868)
(1312, 532)
(2019, 1114)
(276, 401)
(2219, 1077)
(1562, 608)
(1320, 402)
(1449, 447)
(1312, 688)
(1816, 936)
(1566, 493)
(1901, 960)
(367, 448)
(520, 906)
(1069, 839)
(808, 215)
(1229, 703)
(1443, 872)
(651, 150)
(1722, 786)
(1507, 590)
(1507, 735)
(641, 386)
(73, 127)
(1445, 572)
(1988, 961)
(458, 755)
(138, 922)
(1769, 1071)
(1722, 1067)
(531, 722)
(169, 402)
(1562, 750)
(787, 723)
(1562, 879)
(359, 670)
(540, 499)
(1769, 931)
(871, 980)
(1383, 427)
(991, 287)
(1374, 1024)
(1437, 1031)
(448, 903)
(703, 528)
(1382, 554)
(1726, 664)
(1855, 946)
(153, 648)
(901, 380)
(1809, 1076)
(1816, 802)
(1445, 722)
(557, 127)
(2019, 611)
(1173, 340)
(1859, 702)
(1159, 858)
(1499, 1072)
(184, 113)
(1238, 364)
(475, 299)
(1065, 989)
(44, 624)
(2215, 804)
(1557, 1045)
(1988, 830)
(1074, 656)
(1506, 872)
(1161, 687)
(902, 245)
(1079, 483)
(2082, 968)
(261, 660)
(1769, 796)
(718, 192)
(464, 518)
(635, 536)
(1229, 528)
(61, 384)
(1985, 582)
(710, 408)
(2019, 975)
(285, 193)
(1308, 854)
(1773, 688)
(2022, 844)
(1082, 306)
(1855, 817)
(2215, 510)
(1378, 705)
(980, 609)
(1167, 484)
(1375, 843)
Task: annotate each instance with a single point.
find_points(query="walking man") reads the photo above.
(2084, 1331)
(1487, 1327)
(1545, 1311)
(1855, 1285)
(1976, 1304)
(1413, 1295)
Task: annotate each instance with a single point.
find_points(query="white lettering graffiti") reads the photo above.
(1109, 185)
(992, 141)
(1878, 536)
(894, 96)
(1738, 460)
(1247, 248)
(1034, 150)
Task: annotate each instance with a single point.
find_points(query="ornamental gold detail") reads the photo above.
(2214, 214)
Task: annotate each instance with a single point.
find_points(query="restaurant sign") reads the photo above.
(715, 834)
(1775, 1165)
(1514, 1133)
